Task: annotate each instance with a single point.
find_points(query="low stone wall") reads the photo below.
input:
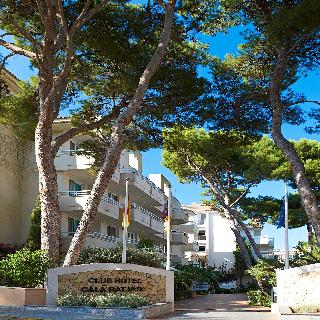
(15, 296)
(86, 313)
(299, 286)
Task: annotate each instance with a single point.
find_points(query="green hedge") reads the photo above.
(102, 301)
(259, 298)
(25, 268)
(141, 256)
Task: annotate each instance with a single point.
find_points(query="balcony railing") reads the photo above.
(189, 227)
(147, 218)
(73, 160)
(76, 200)
(264, 240)
(145, 184)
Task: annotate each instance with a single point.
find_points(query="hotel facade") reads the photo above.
(75, 177)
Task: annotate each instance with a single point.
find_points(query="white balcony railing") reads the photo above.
(179, 238)
(76, 200)
(144, 184)
(72, 160)
(190, 228)
(264, 241)
(192, 246)
(179, 216)
(147, 218)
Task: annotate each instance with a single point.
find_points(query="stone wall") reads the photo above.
(157, 285)
(299, 286)
(150, 286)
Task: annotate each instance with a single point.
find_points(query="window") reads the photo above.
(202, 235)
(73, 148)
(74, 187)
(72, 225)
(202, 248)
(112, 196)
(112, 231)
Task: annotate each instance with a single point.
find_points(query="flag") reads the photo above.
(281, 218)
(165, 218)
(127, 214)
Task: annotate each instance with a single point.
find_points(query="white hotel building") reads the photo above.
(216, 239)
(148, 195)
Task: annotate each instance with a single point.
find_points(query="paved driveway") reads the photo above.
(218, 307)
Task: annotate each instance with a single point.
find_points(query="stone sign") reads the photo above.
(150, 286)
(99, 278)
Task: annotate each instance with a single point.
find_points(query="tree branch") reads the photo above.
(241, 196)
(5, 59)
(17, 50)
(60, 140)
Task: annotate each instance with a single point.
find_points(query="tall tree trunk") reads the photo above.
(48, 190)
(309, 200)
(113, 154)
(249, 236)
(310, 233)
(241, 244)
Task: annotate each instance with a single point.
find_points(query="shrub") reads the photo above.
(25, 268)
(306, 254)
(259, 298)
(186, 274)
(307, 308)
(264, 272)
(34, 236)
(102, 301)
(145, 257)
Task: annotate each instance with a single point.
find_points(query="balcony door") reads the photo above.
(74, 188)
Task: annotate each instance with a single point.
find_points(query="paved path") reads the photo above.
(218, 307)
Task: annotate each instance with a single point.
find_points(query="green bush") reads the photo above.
(34, 236)
(145, 257)
(306, 254)
(25, 268)
(186, 274)
(306, 308)
(259, 298)
(103, 301)
(264, 272)
(146, 243)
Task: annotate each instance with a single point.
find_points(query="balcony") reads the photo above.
(145, 218)
(141, 215)
(94, 240)
(190, 228)
(179, 216)
(192, 246)
(264, 241)
(179, 238)
(142, 188)
(156, 224)
(70, 160)
(76, 200)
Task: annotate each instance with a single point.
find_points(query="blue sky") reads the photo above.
(191, 193)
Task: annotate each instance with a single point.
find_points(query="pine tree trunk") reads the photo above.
(310, 234)
(309, 200)
(48, 190)
(113, 154)
(245, 229)
(241, 244)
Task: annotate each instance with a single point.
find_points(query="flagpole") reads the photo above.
(169, 230)
(286, 225)
(125, 230)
